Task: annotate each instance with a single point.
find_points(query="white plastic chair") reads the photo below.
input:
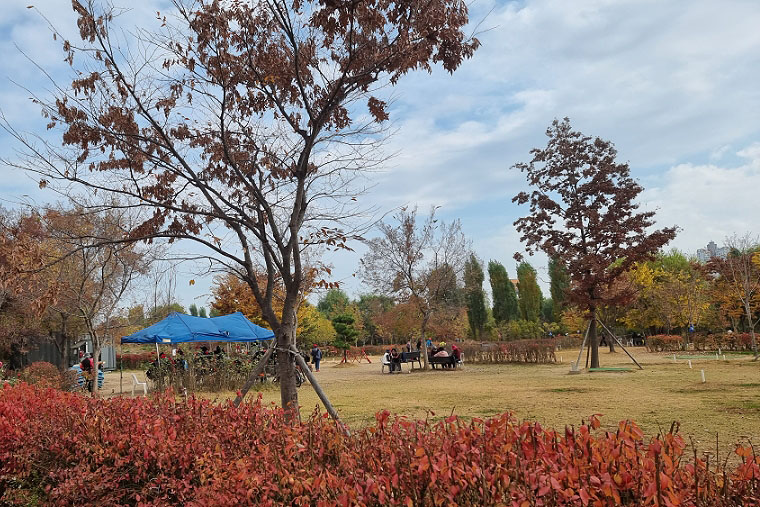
(137, 383)
(386, 363)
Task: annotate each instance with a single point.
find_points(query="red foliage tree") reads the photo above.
(235, 120)
(583, 211)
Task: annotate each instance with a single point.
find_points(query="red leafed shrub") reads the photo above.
(63, 449)
(723, 341)
(571, 341)
(135, 361)
(664, 343)
(44, 374)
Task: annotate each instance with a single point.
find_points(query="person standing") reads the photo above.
(316, 356)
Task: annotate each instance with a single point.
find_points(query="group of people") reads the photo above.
(440, 351)
(393, 358)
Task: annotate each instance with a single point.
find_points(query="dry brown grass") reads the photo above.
(728, 404)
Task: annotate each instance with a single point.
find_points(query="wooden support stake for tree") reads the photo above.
(254, 376)
(318, 389)
(580, 352)
(621, 344)
(588, 354)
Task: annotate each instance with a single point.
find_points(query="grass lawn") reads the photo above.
(727, 404)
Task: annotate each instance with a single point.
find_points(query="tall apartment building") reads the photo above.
(712, 250)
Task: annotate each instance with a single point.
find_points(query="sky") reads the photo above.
(675, 85)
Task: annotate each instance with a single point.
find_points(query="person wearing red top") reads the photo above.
(456, 352)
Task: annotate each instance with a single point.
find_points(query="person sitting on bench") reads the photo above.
(395, 360)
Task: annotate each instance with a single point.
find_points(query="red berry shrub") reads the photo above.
(64, 449)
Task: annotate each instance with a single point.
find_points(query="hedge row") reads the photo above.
(63, 449)
(665, 343)
(723, 341)
(519, 351)
(135, 360)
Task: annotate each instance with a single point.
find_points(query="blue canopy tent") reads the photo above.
(181, 328)
(238, 328)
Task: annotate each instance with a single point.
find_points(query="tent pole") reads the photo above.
(157, 355)
(121, 368)
(254, 376)
(621, 344)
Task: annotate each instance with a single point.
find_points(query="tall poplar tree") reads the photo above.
(530, 292)
(505, 307)
(559, 282)
(474, 296)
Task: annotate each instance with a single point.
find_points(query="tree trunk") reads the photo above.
(95, 366)
(66, 352)
(593, 340)
(748, 310)
(286, 367)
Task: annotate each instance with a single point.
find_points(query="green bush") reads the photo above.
(521, 330)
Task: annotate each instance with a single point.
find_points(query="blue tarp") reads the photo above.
(181, 328)
(239, 329)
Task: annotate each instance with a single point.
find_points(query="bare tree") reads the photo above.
(417, 263)
(242, 126)
(741, 270)
(95, 273)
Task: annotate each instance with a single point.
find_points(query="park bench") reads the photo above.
(405, 357)
(411, 358)
(443, 362)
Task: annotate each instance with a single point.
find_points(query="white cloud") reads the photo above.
(673, 84)
(708, 202)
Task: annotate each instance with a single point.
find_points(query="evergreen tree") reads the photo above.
(505, 307)
(559, 282)
(193, 310)
(333, 304)
(202, 312)
(547, 310)
(474, 296)
(345, 332)
(530, 292)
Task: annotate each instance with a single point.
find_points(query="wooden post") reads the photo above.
(580, 352)
(254, 376)
(621, 345)
(318, 389)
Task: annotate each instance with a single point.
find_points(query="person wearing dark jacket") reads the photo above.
(316, 356)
